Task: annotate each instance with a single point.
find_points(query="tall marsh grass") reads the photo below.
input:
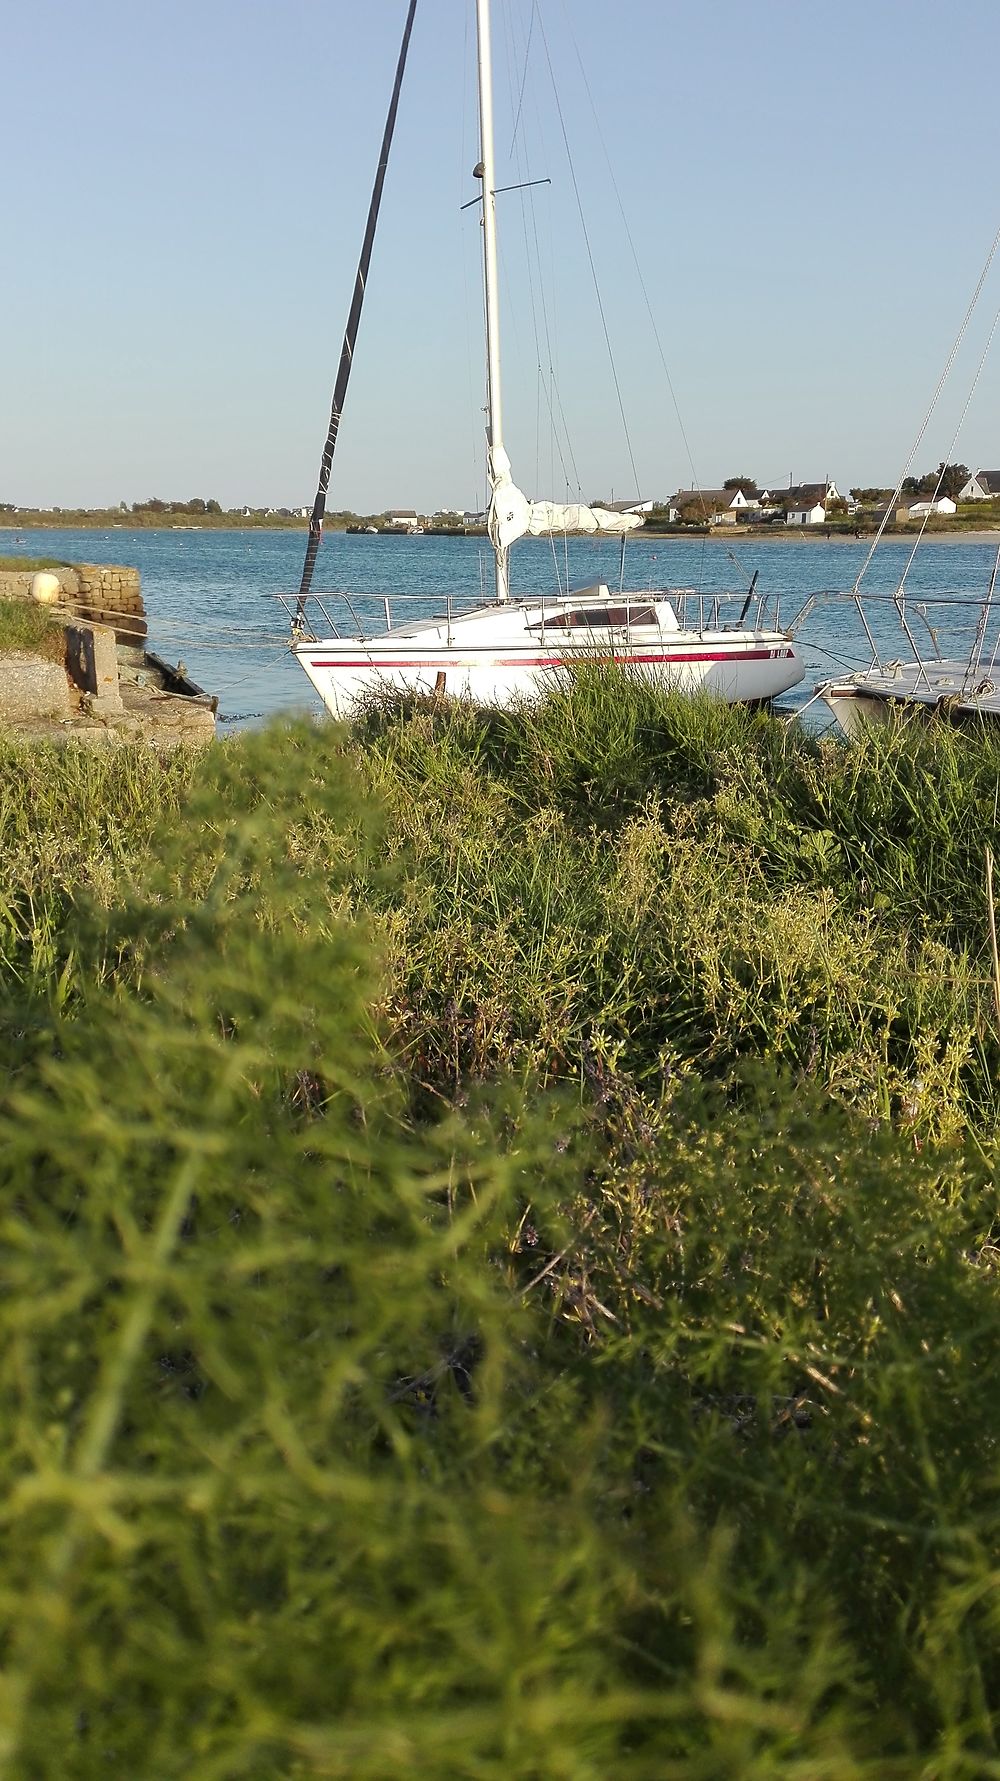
(25, 626)
(685, 885)
(500, 1273)
(74, 823)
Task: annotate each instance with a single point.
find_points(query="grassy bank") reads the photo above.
(24, 564)
(500, 1280)
(25, 626)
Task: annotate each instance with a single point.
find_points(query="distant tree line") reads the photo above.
(155, 505)
(947, 479)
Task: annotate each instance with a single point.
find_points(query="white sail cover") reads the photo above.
(512, 515)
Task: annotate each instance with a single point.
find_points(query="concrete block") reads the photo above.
(92, 662)
(32, 688)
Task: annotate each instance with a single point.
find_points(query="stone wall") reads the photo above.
(17, 582)
(104, 594)
(111, 596)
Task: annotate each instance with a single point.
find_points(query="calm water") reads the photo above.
(210, 596)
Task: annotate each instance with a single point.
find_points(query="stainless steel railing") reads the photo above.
(356, 616)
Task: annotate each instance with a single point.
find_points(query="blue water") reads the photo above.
(211, 596)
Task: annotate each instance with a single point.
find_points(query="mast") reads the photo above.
(486, 172)
(353, 323)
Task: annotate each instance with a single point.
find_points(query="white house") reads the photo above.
(805, 503)
(920, 506)
(981, 487)
(713, 507)
(403, 517)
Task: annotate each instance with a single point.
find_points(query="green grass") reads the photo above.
(32, 563)
(75, 825)
(27, 627)
(684, 887)
(500, 1275)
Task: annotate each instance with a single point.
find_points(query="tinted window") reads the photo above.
(601, 618)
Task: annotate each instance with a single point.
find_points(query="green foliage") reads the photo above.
(26, 626)
(156, 513)
(636, 1425)
(872, 497)
(947, 479)
(686, 883)
(26, 563)
(74, 824)
(658, 517)
(198, 506)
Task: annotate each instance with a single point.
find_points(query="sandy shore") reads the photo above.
(819, 535)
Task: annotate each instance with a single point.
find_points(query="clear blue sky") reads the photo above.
(811, 193)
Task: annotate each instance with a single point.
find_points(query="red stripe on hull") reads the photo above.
(444, 661)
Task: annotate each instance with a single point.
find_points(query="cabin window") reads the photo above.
(600, 618)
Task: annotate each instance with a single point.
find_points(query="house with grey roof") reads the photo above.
(981, 487)
(804, 503)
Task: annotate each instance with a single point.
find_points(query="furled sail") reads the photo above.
(552, 516)
(512, 516)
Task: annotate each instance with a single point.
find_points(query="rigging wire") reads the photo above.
(522, 170)
(947, 458)
(553, 398)
(695, 479)
(942, 380)
(632, 249)
(524, 75)
(590, 255)
(976, 652)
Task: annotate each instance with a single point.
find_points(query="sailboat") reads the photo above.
(914, 684)
(502, 650)
(960, 691)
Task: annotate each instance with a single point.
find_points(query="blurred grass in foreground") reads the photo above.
(499, 1276)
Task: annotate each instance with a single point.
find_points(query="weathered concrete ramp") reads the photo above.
(31, 687)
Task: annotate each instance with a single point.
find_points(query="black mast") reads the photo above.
(353, 321)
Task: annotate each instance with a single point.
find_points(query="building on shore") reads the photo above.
(984, 486)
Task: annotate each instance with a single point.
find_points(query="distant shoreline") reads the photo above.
(792, 535)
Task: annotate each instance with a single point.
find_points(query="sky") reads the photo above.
(792, 204)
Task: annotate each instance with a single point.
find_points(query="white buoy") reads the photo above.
(46, 587)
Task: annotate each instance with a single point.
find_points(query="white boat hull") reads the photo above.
(912, 689)
(737, 671)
